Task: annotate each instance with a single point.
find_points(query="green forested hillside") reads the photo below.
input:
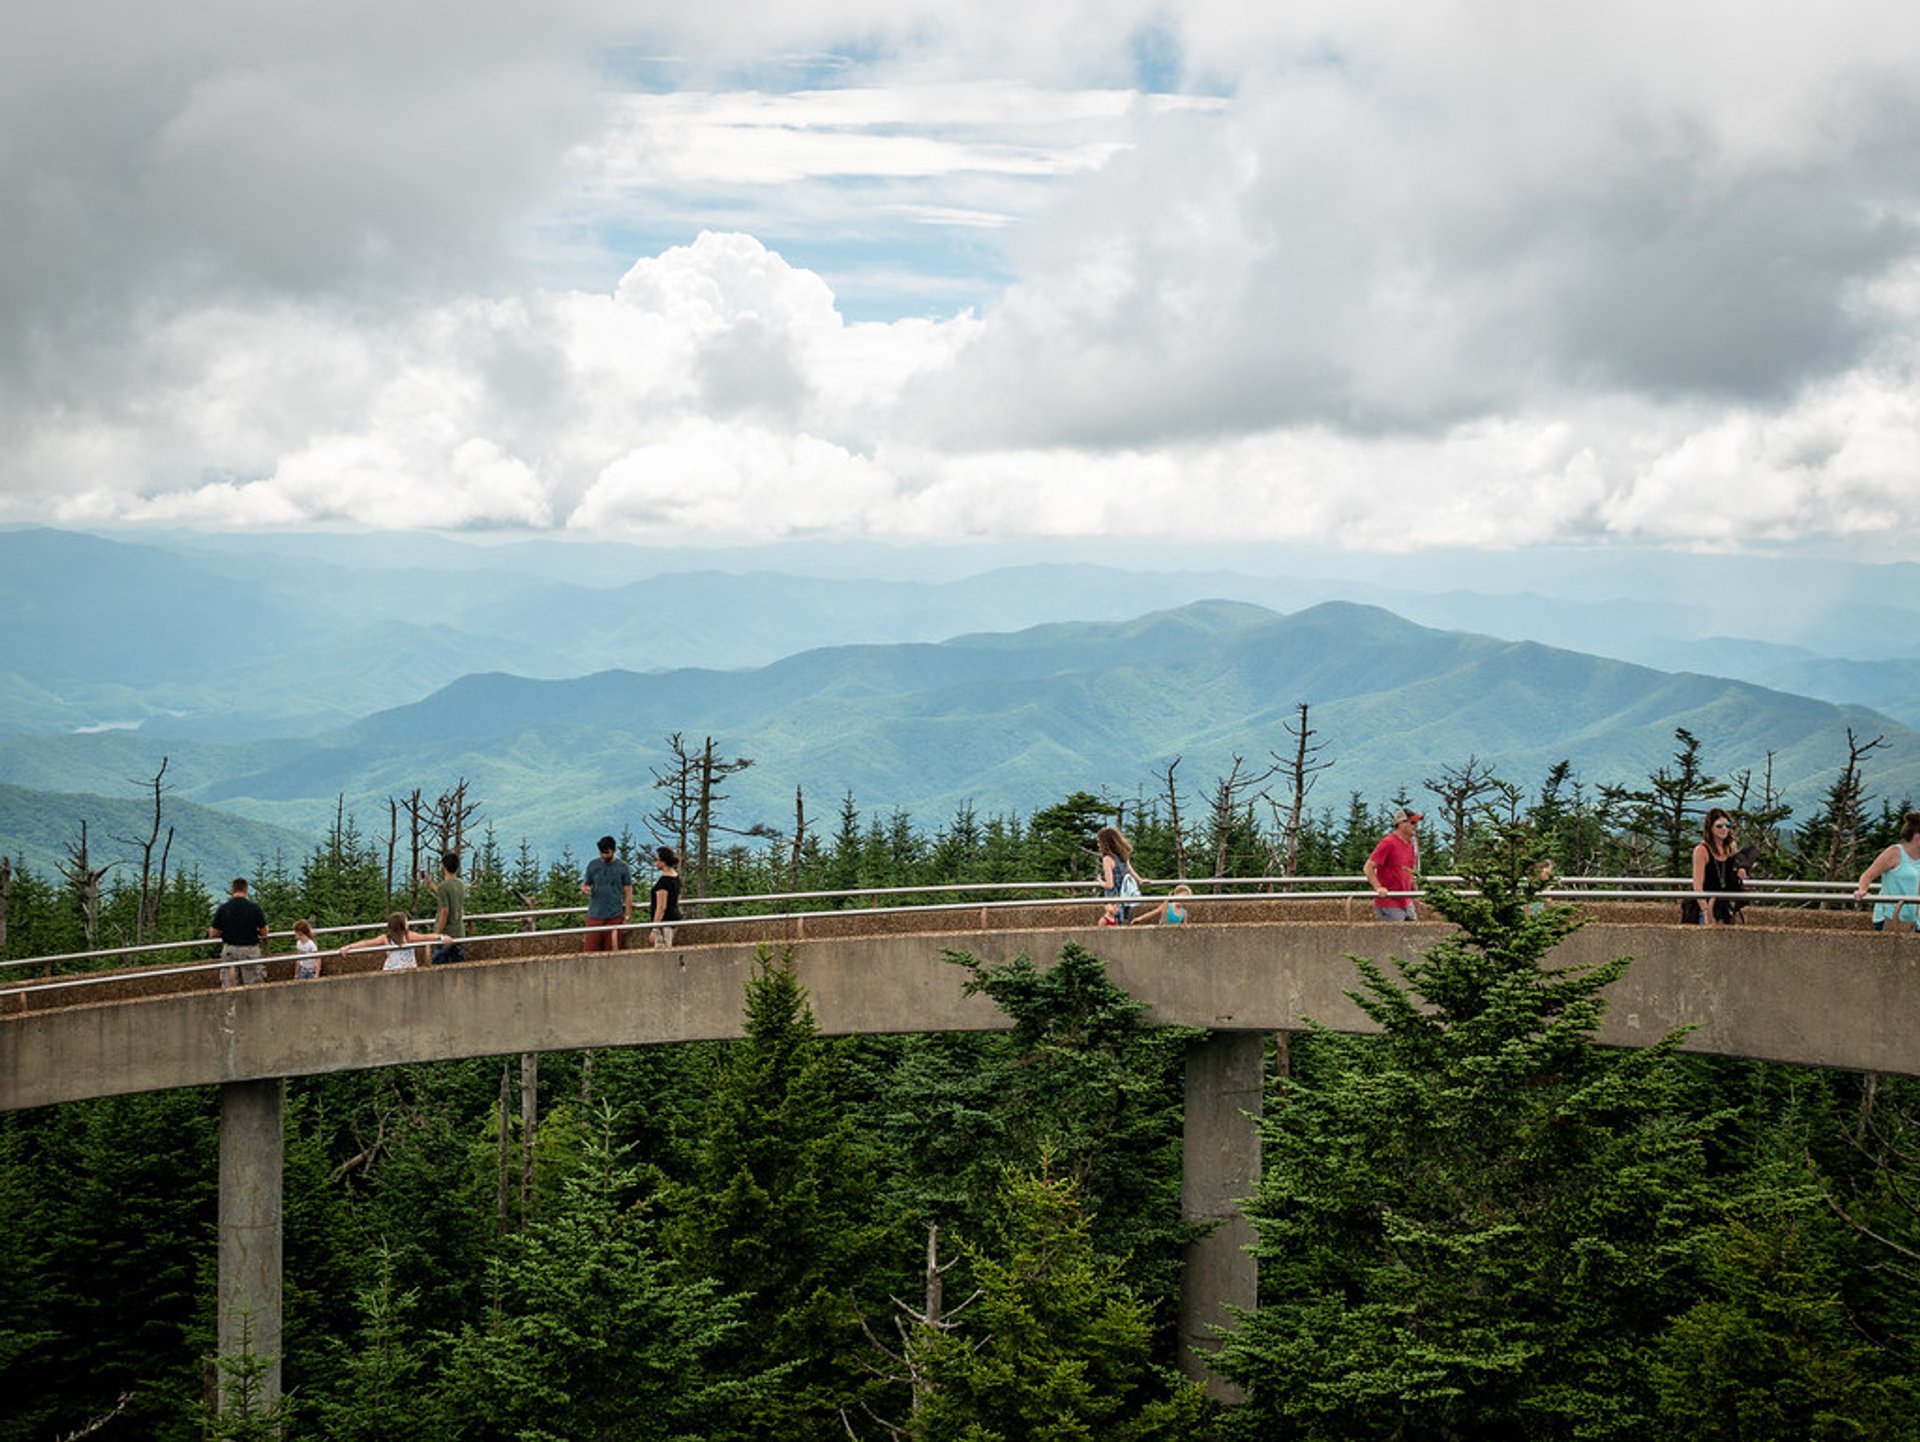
(1009, 721)
(36, 827)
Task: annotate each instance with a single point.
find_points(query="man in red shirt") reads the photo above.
(1391, 867)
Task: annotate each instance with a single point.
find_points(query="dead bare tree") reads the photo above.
(1232, 802)
(443, 822)
(797, 843)
(505, 1151)
(1301, 768)
(146, 921)
(1173, 820)
(1846, 810)
(440, 825)
(529, 1125)
(97, 1424)
(393, 842)
(932, 1314)
(1458, 788)
(454, 814)
(84, 877)
(1887, 1137)
(690, 812)
(1758, 817)
(672, 820)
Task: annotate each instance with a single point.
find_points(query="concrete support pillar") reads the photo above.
(1221, 1164)
(252, 1147)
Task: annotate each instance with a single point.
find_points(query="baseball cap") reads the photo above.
(1405, 815)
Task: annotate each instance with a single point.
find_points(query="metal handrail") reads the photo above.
(1671, 888)
(1588, 885)
(1624, 888)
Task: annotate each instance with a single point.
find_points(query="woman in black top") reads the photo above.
(666, 896)
(1717, 873)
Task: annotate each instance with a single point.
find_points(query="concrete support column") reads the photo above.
(1220, 1165)
(252, 1147)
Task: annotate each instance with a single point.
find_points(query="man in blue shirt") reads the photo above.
(609, 890)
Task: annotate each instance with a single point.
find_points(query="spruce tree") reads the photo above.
(1052, 1344)
(1477, 1224)
(1083, 1085)
(783, 1208)
(590, 1335)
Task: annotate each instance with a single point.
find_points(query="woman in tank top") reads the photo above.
(1117, 877)
(400, 940)
(1715, 873)
(1897, 869)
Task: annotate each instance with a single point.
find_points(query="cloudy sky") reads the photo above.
(1362, 275)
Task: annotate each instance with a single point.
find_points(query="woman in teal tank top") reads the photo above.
(1897, 869)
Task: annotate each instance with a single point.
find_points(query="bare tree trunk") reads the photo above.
(672, 820)
(1173, 822)
(160, 883)
(798, 846)
(1848, 809)
(450, 816)
(506, 1150)
(936, 1290)
(529, 1125)
(146, 916)
(416, 874)
(1300, 770)
(1869, 1094)
(1228, 794)
(393, 841)
(703, 820)
(84, 877)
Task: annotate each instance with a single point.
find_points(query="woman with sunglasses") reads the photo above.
(1715, 874)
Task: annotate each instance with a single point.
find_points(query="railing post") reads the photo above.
(1220, 1164)
(252, 1148)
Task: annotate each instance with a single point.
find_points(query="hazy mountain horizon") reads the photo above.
(1004, 722)
(235, 637)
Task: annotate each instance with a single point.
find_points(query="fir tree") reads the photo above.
(375, 1384)
(783, 1207)
(1770, 1350)
(590, 1337)
(1084, 1084)
(1477, 1224)
(1053, 1344)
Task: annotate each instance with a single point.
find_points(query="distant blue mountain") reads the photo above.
(1010, 721)
(239, 637)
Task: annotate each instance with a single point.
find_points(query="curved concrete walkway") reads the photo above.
(1845, 998)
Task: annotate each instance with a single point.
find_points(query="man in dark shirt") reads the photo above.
(609, 889)
(242, 928)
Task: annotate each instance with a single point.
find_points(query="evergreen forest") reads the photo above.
(1474, 1225)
